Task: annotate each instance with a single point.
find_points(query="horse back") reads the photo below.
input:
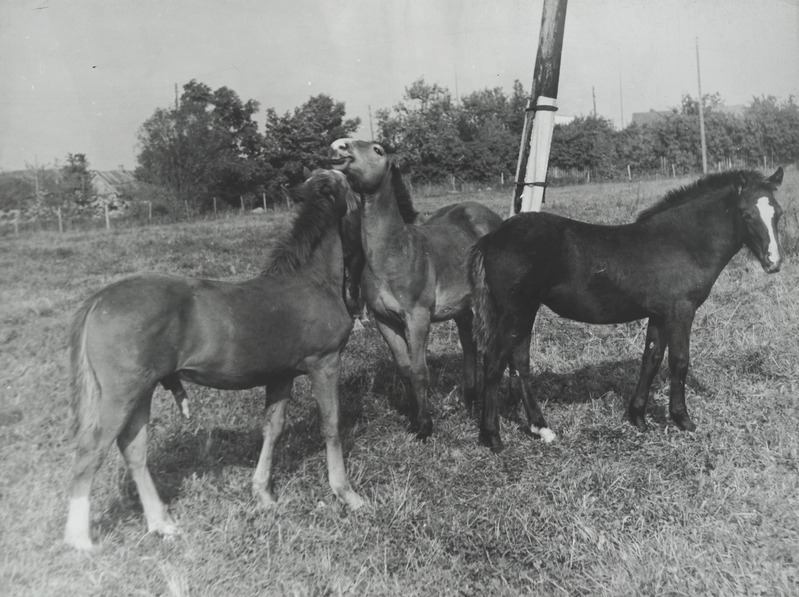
(449, 234)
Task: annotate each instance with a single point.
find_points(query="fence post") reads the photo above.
(673, 171)
(241, 198)
(629, 173)
(107, 219)
(214, 207)
(263, 195)
(60, 221)
(150, 211)
(16, 223)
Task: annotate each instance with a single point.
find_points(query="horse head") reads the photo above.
(761, 213)
(325, 185)
(363, 162)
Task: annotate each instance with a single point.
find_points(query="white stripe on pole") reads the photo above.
(540, 142)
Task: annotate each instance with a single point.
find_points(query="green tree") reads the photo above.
(772, 130)
(423, 131)
(207, 146)
(298, 139)
(585, 142)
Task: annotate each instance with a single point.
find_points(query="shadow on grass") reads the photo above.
(594, 381)
(187, 451)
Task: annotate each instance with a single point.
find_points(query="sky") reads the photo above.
(82, 76)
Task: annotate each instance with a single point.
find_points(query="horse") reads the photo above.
(152, 329)
(661, 267)
(414, 274)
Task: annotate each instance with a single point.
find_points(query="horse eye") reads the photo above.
(378, 150)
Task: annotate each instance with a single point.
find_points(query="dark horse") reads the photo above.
(413, 274)
(661, 267)
(152, 328)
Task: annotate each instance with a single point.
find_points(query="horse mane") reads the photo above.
(401, 194)
(700, 188)
(294, 248)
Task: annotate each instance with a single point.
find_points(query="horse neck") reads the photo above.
(327, 261)
(719, 230)
(381, 222)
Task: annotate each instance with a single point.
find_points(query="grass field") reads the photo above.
(605, 510)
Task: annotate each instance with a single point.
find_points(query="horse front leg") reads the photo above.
(407, 360)
(277, 397)
(325, 388)
(678, 332)
(650, 363)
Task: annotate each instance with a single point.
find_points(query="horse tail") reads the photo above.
(85, 390)
(483, 308)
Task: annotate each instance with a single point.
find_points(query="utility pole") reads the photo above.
(539, 119)
(701, 112)
(593, 96)
(176, 96)
(371, 128)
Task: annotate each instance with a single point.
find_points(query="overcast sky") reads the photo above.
(81, 76)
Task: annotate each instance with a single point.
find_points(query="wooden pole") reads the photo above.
(150, 211)
(186, 203)
(107, 218)
(60, 220)
(241, 198)
(214, 207)
(701, 112)
(531, 168)
(16, 223)
(263, 195)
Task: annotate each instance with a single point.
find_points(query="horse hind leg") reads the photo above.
(325, 388)
(520, 386)
(91, 447)
(277, 397)
(132, 442)
(470, 374)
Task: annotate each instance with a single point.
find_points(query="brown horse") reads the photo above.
(152, 328)
(413, 274)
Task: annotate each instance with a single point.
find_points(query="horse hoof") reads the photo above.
(424, 430)
(354, 501)
(545, 433)
(83, 544)
(492, 441)
(685, 423)
(639, 423)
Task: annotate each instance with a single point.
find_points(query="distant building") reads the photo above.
(114, 188)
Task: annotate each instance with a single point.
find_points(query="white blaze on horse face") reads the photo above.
(766, 211)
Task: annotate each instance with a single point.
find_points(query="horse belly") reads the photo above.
(245, 348)
(592, 305)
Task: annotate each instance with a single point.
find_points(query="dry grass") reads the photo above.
(604, 511)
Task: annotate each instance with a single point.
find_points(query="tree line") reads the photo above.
(207, 149)
(208, 145)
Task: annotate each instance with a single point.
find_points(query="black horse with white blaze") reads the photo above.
(660, 267)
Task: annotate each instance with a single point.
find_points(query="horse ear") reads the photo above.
(306, 173)
(775, 180)
(739, 183)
